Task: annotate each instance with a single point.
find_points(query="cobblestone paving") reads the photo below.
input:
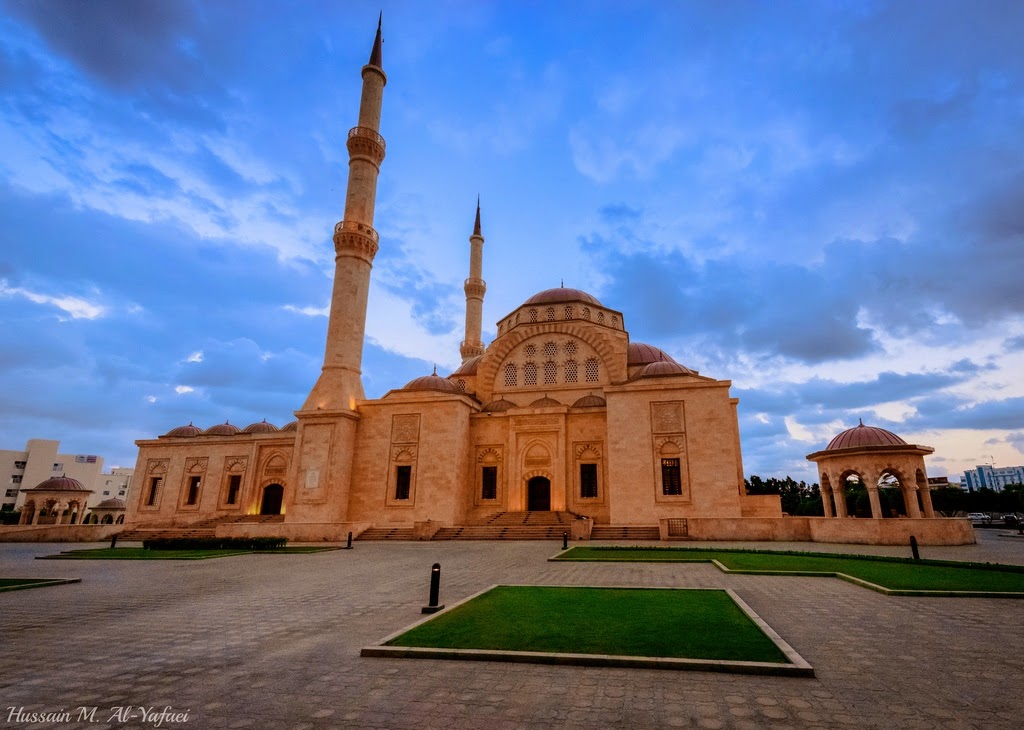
(265, 641)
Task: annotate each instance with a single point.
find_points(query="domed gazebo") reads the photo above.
(870, 454)
(56, 501)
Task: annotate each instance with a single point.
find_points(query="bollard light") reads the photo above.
(113, 541)
(349, 545)
(913, 548)
(565, 540)
(435, 590)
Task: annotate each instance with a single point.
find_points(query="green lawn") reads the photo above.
(692, 624)
(144, 554)
(17, 584)
(892, 573)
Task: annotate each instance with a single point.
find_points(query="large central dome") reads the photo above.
(561, 294)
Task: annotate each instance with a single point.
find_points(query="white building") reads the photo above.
(114, 485)
(993, 477)
(40, 460)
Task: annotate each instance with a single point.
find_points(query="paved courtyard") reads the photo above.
(267, 641)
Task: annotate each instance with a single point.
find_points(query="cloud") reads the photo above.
(183, 389)
(75, 307)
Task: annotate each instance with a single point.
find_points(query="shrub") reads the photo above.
(215, 543)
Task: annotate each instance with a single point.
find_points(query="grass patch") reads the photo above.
(644, 622)
(17, 584)
(893, 573)
(144, 554)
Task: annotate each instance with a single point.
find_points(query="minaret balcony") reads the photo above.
(366, 142)
(470, 349)
(357, 238)
(475, 287)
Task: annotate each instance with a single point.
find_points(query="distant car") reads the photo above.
(1010, 519)
(979, 517)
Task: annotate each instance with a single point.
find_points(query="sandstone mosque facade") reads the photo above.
(561, 414)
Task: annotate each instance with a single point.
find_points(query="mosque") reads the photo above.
(561, 423)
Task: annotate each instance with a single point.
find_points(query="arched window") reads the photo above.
(570, 348)
(568, 311)
(550, 313)
(549, 373)
(586, 313)
(615, 321)
(530, 373)
(511, 375)
(600, 317)
(533, 315)
(550, 350)
(571, 371)
(462, 385)
(591, 370)
(530, 350)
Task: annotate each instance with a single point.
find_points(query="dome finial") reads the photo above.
(435, 368)
(476, 224)
(561, 283)
(861, 421)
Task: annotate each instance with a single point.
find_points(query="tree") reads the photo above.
(798, 498)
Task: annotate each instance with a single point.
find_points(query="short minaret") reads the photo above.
(355, 244)
(475, 288)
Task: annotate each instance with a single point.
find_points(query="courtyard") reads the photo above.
(273, 641)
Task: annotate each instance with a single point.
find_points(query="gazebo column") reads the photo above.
(60, 514)
(876, 504)
(840, 494)
(35, 514)
(926, 500)
(826, 500)
(910, 499)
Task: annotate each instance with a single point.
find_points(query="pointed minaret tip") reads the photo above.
(476, 225)
(375, 54)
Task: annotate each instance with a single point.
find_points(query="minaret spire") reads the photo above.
(355, 245)
(474, 288)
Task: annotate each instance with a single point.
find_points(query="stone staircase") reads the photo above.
(512, 526)
(386, 533)
(618, 532)
(205, 528)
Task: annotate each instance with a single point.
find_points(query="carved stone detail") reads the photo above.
(405, 429)
(489, 451)
(196, 464)
(157, 467)
(595, 447)
(666, 417)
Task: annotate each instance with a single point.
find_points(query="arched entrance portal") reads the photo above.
(538, 494)
(273, 495)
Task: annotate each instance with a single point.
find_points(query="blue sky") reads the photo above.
(823, 202)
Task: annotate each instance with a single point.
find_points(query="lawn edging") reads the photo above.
(798, 666)
(37, 583)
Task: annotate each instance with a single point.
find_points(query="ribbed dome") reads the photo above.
(544, 402)
(499, 406)
(661, 369)
(864, 436)
(590, 401)
(561, 294)
(188, 431)
(222, 429)
(293, 426)
(468, 367)
(113, 503)
(640, 353)
(62, 483)
(432, 382)
(260, 427)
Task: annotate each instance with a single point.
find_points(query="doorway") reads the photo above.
(538, 494)
(273, 494)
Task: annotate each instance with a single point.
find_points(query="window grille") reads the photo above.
(570, 348)
(550, 350)
(568, 311)
(530, 374)
(403, 478)
(615, 321)
(588, 481)
(586, 313)
(549, 373)
(193, 490)
(511, 375)
(550, 314)
(533, 315)
(600, 317)
(571, 371)
(591, 370)
(154, 488)
(16, 478)
(462, 385)
(530, 350)
(489, 480)
(234, 484)
(671, 480)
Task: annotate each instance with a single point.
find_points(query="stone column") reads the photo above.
(840, 501)
(926, 500)
(826, 501)
(910, 499)
(60, 514)
(876, 504)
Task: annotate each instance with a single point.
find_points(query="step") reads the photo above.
(624, 532)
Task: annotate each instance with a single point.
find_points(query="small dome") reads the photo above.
(864, 436)
(544, 402)
(293, 426)
(561, 294)
(499, 406)
(468, 367)
(661, 369)
(222, 429)
(260, 427)
(188, 431)
(640, 353)
(432, 382)
(590, 401)
(62, 483)
(114, 503)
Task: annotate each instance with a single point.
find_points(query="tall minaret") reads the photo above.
(355, 244)
(475, 288)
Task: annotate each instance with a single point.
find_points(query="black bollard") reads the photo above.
(349, 545)
(565, 540)
(113, 541)
(435, 589)
(913, 548)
